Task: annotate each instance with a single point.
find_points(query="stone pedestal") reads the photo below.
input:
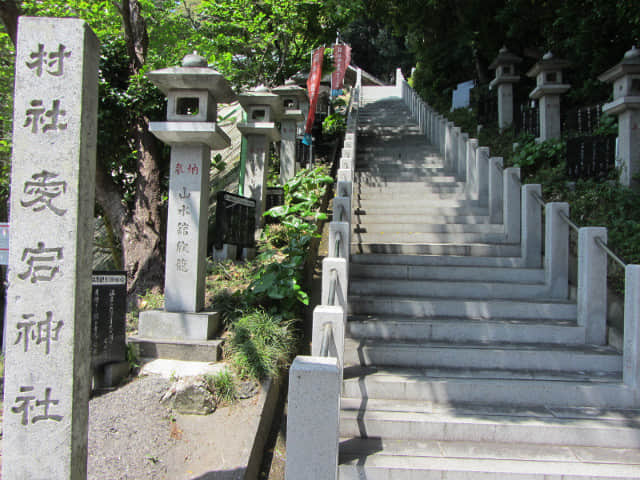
(625, 77)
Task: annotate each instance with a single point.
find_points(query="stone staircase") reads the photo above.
(459, 361)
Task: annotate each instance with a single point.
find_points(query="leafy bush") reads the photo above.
(334, 124)
(260, 345)
(532, 156)
(285, 246)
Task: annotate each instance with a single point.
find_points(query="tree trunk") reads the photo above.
(9, 13)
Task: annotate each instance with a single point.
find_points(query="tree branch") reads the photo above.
(9, 12)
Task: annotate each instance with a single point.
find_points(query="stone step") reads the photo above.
(391, 236)
(461, 308)
(496, 356)
(385, 459)
(366, 177)
(361, 217)
(544, 425)
(432, 228)
(456, 249)
(416, 190)
(401, 271)
(395, 327)
(423, 205)
(448, 289)
(517, 388)
(447, 208)
(435, 260)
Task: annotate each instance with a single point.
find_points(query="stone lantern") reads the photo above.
(549, 88)
(505, 67)
(263, 110)
(193, 91)
(625, 77)
(293, 98)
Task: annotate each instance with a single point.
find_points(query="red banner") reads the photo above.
(313, 86)
(341, 60)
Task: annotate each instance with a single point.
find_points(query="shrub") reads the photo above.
(259, 344)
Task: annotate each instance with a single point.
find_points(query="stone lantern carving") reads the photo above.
(625, 77)
(263, 110)
(549, 88)
(293, 98)
(193, 91)
(505, 66)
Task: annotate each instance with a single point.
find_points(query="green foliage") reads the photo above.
(532, 156)
(277, 280)
(260, 345)
(334, 124)
(223, 386)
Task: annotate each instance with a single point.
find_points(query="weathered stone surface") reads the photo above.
(47, 377)
(190, 395)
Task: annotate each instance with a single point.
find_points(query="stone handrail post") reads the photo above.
(631, 348)
(531, 226)
(472, 167)
(463, 167)
(313, 418)
(512, 200)
(556, 249)
(495, 190)
(592, 284)
(482, 163)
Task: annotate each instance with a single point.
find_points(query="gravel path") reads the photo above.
(130, 432)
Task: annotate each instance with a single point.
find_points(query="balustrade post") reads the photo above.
(337, 318)
(472, 171)
(482, 162)
(592, 284)
(556, 250)
(631, 349)
(511, 198)
(463, 138)
(340, 265)
(313, 419)
(531, 227)
(339, 230)
(495, 190)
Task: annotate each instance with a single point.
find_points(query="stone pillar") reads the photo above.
(531, 226)
(556, 251)
(48, 318)
(631, 349)
(592, 284)
(512, 201)
(625, 77)
(495, 190)
(482, 162)
(341, 268)
(549, 88)
(504, 65)
(193, 91)
(293, 97)
(313, 418)
(335, 316)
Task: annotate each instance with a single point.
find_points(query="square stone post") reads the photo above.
(495, 190)
(449, 157)
(463, 138)
(313, 419)
(472, 171)
(531, 227)
(556, 250)
(631, 349)
(48, 318)
(341, 268)
(337, 318)
(512, 213)
(592, 284)
(482, 162)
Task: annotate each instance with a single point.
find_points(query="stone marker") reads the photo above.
(47, 377)
(108, 315)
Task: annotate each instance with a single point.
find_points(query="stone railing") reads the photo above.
(315, 381)
(519, 208)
